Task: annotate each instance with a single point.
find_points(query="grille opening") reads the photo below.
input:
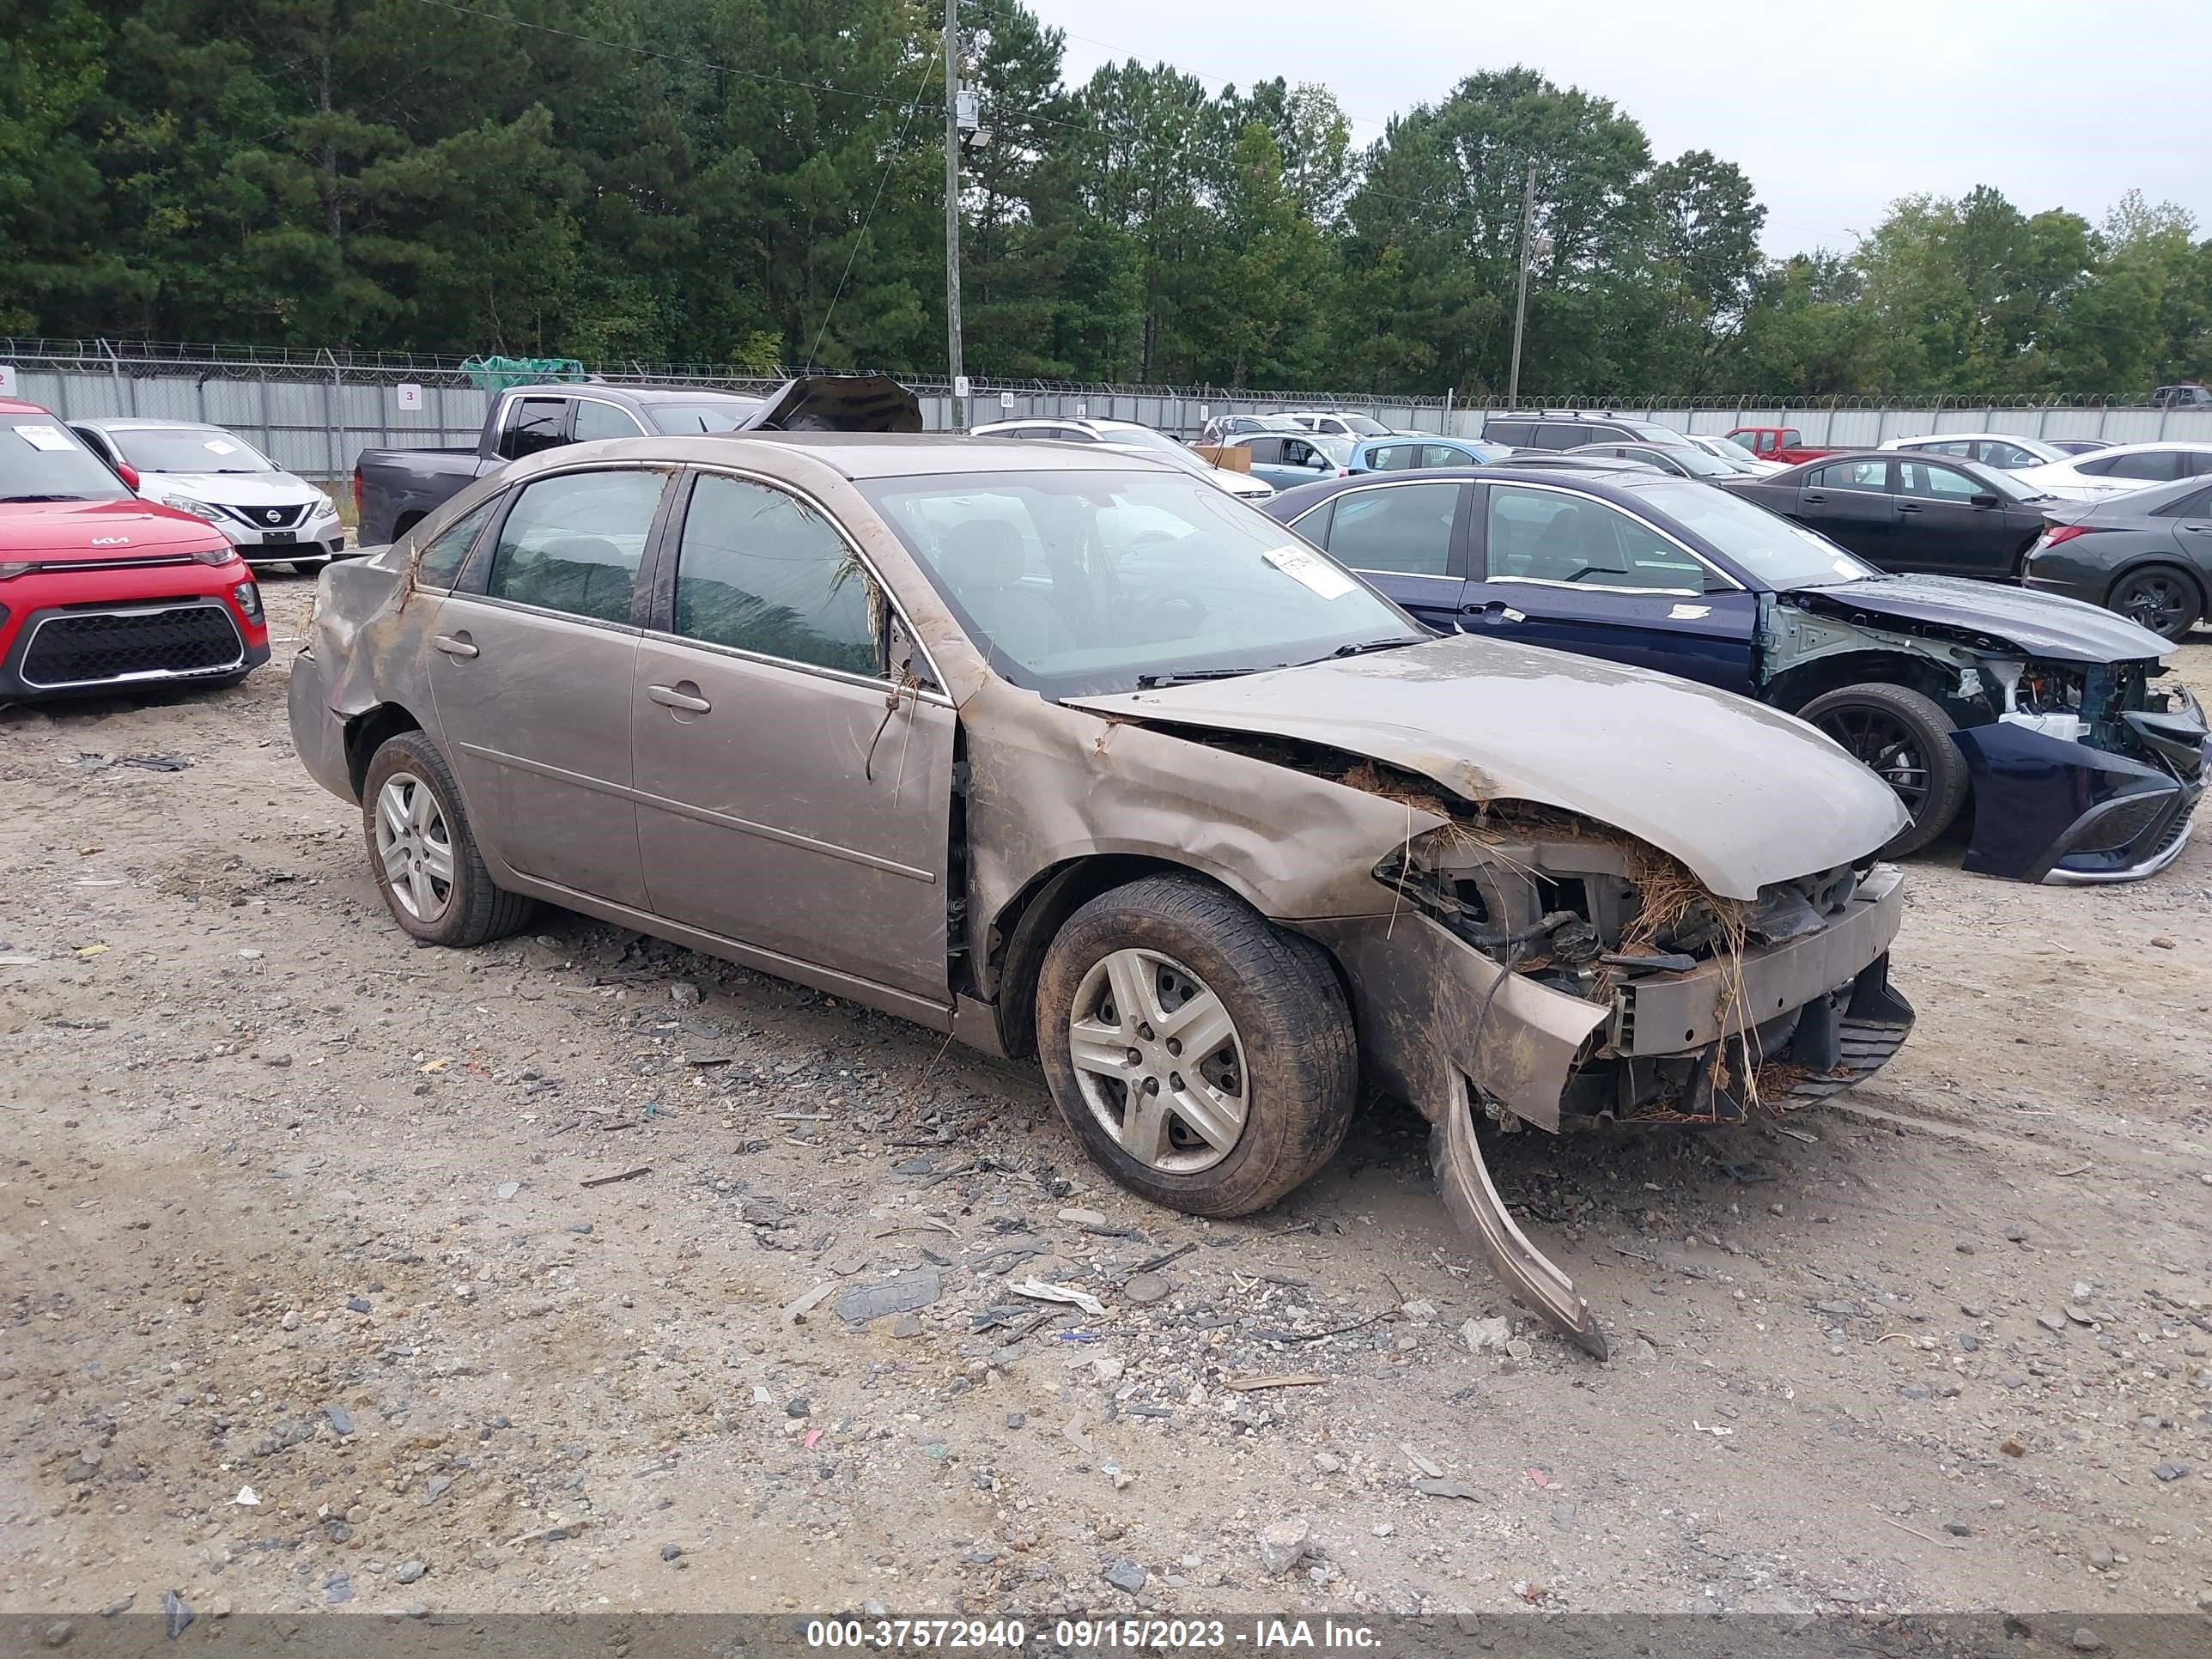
(94, 647)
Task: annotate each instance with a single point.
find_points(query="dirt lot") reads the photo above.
(298, 1214)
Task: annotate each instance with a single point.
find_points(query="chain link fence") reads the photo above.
(314, 411)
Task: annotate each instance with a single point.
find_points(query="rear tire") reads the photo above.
(1270, 1096)
(1905, 738)
(2159, 597)
(423, 854)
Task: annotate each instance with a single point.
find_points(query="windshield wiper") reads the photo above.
(1150, 682)
(1364, 647)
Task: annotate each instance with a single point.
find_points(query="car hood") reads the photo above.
(231, 488)
(55, 530)
(2034, 623)
(1741, 794)
(837, 402)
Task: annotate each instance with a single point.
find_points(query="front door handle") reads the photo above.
(455, 645)
(1496, 611)
(1814, 498)
(675, 696)
(1908, 507)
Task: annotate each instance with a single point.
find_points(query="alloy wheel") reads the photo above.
(2153, 601)
(1883, 742)
(1159, 1062)
(415, 847)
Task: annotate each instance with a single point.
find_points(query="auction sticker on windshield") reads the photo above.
(43, 437)
(1301, 567)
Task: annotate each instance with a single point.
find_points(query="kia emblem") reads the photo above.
(110, 541)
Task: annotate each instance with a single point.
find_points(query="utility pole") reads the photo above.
(953, 207)
(1520, 299)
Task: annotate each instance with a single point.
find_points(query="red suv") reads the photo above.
(99, 590)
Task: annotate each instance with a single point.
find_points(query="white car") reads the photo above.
(271, 516)
(2114, 472)
(2007, 450)
(1734, 454)
(1129, 434)
(1331, 423)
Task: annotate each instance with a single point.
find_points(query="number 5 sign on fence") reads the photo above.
(411, 395)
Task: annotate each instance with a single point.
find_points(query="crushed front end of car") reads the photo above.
(1546, 970)
(2089, 772)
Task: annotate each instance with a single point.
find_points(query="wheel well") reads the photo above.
(1792, 690)
(1020, 933)
(367, 733)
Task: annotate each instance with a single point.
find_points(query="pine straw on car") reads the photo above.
(1668, 890)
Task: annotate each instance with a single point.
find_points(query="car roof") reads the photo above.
(1597, 476)
(2150, 446)
(1960, 437)
(17, 406)
(644, 394)
(854, 454)
(147, 423)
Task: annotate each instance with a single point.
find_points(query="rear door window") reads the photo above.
(1567, 435)
(1522, 435)
(1394, 458)
(533, 424)
(1850, 475)
(440, 566)
(573, 543)
(1444, 455)
(1549, 536)
(2155, 465)
(1404, 528)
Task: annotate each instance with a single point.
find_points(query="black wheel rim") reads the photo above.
(1884, 743)
(2156, 602)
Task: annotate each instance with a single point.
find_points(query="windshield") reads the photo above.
(1075, 583)
(42, 460)
(1173, 454)
(1365, 426)
(1775, 552)
(187, 449)
(1699, 465)
(678, 419)
(1139, 437)
(1657, 435)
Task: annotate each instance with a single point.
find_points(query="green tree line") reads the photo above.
(761, 181)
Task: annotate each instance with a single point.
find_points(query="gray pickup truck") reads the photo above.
(394, 489)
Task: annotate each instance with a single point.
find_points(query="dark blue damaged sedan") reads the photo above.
(2050, 723)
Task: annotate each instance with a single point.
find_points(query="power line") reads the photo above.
(861, 235)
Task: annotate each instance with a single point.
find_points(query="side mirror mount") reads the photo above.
(129, 474)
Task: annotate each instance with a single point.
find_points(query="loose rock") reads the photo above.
(1125, 1575)
(1283, 1545)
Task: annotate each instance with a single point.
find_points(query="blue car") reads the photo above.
(2041, 712)
(1404, 451)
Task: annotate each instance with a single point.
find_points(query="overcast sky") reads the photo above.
(1833, 111)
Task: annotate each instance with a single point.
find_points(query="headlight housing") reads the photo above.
(222, 555)
(248, 597)
(17, 568)
(198, 509)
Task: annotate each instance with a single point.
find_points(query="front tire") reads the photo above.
(1246, 1061)
(2158, 597)
(422, 853)
(1905, 738)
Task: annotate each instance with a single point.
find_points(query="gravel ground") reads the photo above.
(314, 1299)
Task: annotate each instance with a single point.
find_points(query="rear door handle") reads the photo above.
(1908, 507)
(671, 697)
(1814, 498)
(454, 645)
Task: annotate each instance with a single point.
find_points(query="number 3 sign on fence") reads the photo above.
(411, 395)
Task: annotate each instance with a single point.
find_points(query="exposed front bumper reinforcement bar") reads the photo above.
(1473, 1199)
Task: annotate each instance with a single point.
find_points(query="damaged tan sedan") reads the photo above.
(1072, 755)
